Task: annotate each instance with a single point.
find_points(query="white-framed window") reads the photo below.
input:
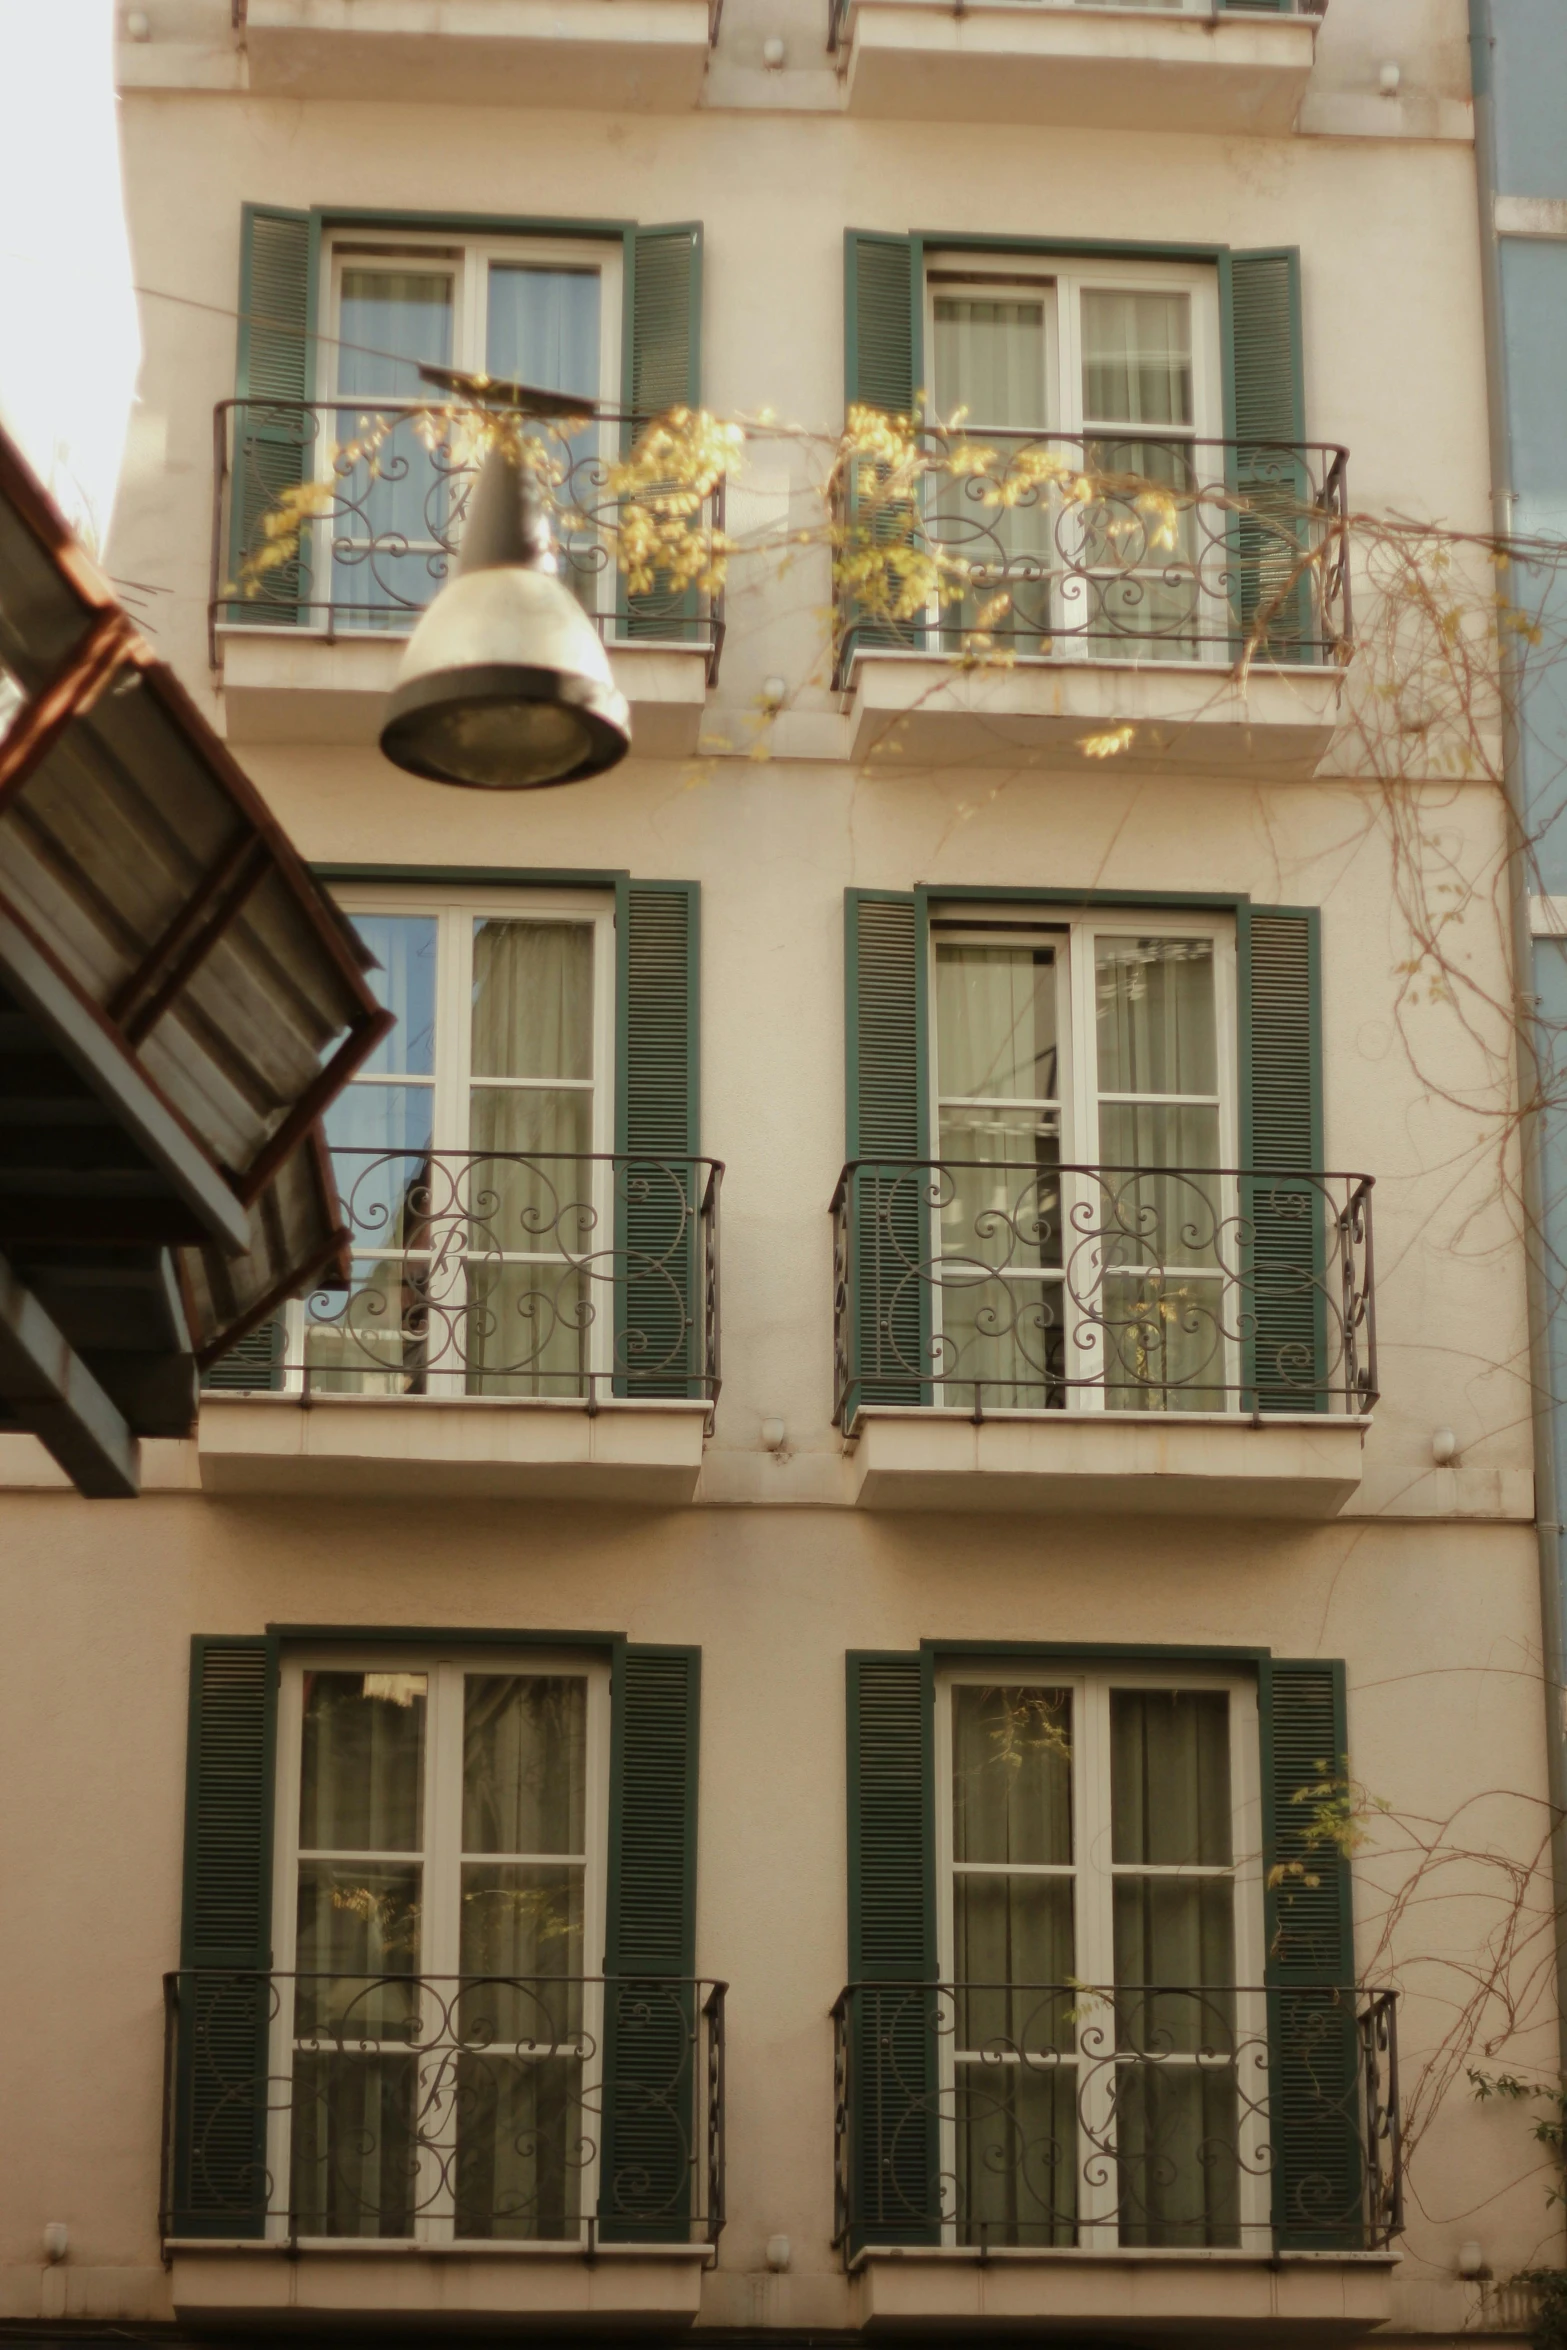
(471, 1152)
(1104, 2081)
(1112, 365)
(1083, 1112)
(544, 311)
(438, 1917)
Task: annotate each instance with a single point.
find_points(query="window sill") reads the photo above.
(1131, 1464)
(647, 55)
(635, 2284)
(1315, 2296)
(1100, 68)
(294, 685)
(918, 710)
(641, 1452)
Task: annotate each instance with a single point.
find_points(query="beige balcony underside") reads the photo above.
(1134, 2298)
(426, 1448)
(646, 55)
(349, 2284)
(1102, 68)
(282, 685)
(912, 710)
(1138, 1464)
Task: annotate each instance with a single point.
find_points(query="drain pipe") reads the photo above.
(1548, 1530)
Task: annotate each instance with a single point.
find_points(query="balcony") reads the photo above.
(1139, 2160)
(393, 2147)
(648, 56)
(1229, 69)
(308, 649)
(542, 1326)
(1132, 606)
(1200, 1341)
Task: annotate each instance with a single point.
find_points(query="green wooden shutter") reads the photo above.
(1267, 402)
(659, 1335)
(220, 2118)
(1259, 7)
(1291, 1360)
(883, 297)
(892, 1950)
(889, 1225)
(650, 2148)
(663, 369)
(272, 447)
(1319, 2181)
(254, 1364)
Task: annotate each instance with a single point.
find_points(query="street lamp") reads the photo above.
(504, 684)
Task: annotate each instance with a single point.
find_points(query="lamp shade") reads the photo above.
(504, 684)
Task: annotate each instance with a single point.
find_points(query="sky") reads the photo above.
(69, 343)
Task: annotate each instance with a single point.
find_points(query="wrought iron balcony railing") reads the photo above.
(1175, 549)
(385, 542)
(840, 11)
(979, 1286)
(443, 2108)
(504, 1273)
(1058, 2115)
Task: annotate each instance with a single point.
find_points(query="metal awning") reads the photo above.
(179, 1003)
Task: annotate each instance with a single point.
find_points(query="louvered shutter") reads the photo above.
(895, 2156)
(663, 331)
(883, 293)
(220, 2120)
(1319, 2180)
(254, 1365)
(1267, 401)
(1259, 7)
(659, 1335)
(1285, 1214)
(650, 2006)
(889, 1220)
(273, 440)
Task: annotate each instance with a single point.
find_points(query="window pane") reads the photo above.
(543, 327)
(525, 1739)
(522, 2147)
(358, 1924)
(395, 1118)
(1177, 2155)
(1017, 2160)
(362, 1776)
(1013, 1961)
(1170, 1778)
(1137, 357)
(522, 1943)
(532, 999)
(990, 359)
(1004, 1210)
(355, 2143)
(404, 946)
(390, 320)
(1155, 1015)
(1011, 1774)
(996, 1033)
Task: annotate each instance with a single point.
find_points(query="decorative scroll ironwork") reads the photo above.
(503, 1273)
(443, 2108)
(988, 1287)
(991, 2114)
(1115, 544)
(389, 537)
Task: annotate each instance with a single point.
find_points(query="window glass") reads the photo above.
(404, 948)
(1155, 1015)
(543, 327)
(1137, 357)
(991, 358)
(996, 1025)
(361, 1801)
(390, 320)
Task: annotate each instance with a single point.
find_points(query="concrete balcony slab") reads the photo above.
(645, 1453)
(645, 56)
(362, 2285)
(289, 685)
(1133, 1464)
(1096, 68)
(1132, 2297)
(915, 710)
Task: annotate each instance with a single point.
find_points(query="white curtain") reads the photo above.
(990, 359)
(389, 320)
(1137, 357)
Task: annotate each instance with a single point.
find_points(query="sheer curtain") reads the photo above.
(388, 321)
(533, 1020)
(1177, 2118)
(1015, 2077)
(544, 327)
(997, 1061)
(1137, 371)
(991, 358)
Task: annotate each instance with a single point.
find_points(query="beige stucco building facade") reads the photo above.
(1090, 1513)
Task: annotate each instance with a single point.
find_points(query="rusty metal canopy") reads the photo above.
(179, 1003)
